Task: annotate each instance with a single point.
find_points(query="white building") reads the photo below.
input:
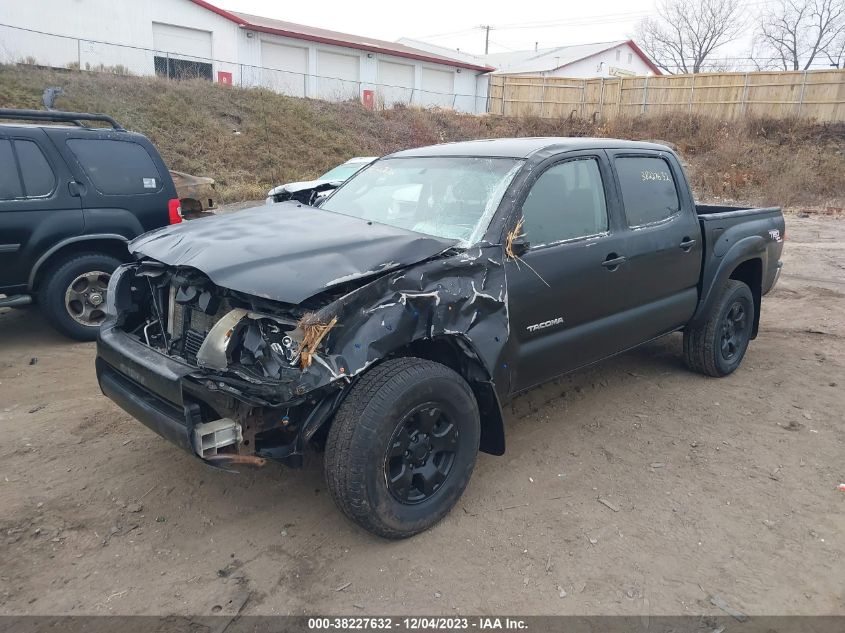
(602, 59)
(184, 38)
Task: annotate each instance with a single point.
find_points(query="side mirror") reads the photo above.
(520, 246)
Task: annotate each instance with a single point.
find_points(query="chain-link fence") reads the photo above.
(30, 46)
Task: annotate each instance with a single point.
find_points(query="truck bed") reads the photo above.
(711, 211)
(757, 230)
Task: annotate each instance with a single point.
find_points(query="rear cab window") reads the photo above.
(649, 191)
(117, 167)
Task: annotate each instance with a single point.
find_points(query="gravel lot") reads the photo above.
(713, 487)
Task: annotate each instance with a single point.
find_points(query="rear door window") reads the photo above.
(117, 167)
(648, 188)
(38, 177)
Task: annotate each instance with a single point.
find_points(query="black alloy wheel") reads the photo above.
(420, 455)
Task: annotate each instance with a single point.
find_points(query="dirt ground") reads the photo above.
(714, 488)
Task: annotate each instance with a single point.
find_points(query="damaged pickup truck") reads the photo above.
(389, 326)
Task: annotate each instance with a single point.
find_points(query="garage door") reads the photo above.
(438, 87)
(396, 83)
(284, 68)
(338, 76)
(182, 53)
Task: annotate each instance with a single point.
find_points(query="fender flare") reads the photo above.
(475, 373)
(66, 242)
(748, 248)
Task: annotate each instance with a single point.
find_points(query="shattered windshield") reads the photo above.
(448, 197)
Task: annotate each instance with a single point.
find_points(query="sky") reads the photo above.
(454, 24)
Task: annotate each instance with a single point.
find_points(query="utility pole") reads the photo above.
(486, 28)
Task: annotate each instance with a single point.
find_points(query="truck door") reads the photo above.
(566, 291)
(662, 244)
(36, 207)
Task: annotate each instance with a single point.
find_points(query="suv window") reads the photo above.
(566, 202)
(117, 167)
(38, 177)
(648, 189)
(10, 184)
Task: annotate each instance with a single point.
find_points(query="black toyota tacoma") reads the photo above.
(389, 326)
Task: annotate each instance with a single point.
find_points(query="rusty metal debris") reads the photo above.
(233, 458)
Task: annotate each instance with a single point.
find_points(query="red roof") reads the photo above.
(644, 57)
(335, 38)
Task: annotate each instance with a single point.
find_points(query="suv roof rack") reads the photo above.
(58, 115)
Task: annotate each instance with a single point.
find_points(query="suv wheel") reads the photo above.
(716, 347)
(73, 294)
(402, 446)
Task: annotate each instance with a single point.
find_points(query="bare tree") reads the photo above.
(836, 51)
(796, 32)
(685, 33)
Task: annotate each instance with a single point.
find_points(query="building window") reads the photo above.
(175, 68)
(618, 55)
(630, 57)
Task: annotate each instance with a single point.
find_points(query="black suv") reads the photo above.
(71, 197)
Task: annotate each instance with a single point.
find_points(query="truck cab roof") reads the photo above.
(523, 147)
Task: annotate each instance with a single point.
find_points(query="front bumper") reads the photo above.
(152, 387)
(180, 402)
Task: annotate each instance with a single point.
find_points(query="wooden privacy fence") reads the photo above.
(816, 94)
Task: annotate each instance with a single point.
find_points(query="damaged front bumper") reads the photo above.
(200, 411)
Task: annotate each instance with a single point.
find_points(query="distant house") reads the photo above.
(193, 38)
(602, 59)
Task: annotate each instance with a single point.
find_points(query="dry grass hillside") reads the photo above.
(249, 140)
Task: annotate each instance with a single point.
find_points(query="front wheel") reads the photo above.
(717, 346)
(402, 447)
(73, 294)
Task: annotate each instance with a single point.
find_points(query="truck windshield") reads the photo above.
(449, 197)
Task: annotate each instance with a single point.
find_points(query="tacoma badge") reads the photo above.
(545, 324)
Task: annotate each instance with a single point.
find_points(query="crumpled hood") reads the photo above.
(286, 252)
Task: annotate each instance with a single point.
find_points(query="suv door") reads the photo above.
(566, 291)
(662, 243)
(36, 207)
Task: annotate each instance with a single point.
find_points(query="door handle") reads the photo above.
(687, 244)
(76, 189)
(613, 261)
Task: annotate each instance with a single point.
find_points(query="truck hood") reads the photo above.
(287, 252)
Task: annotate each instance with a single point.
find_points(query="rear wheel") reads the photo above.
(73, 294)
(402, 447)
(717, 347)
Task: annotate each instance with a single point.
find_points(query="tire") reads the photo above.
(388, 428)
(72, 294)
(717, 347)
